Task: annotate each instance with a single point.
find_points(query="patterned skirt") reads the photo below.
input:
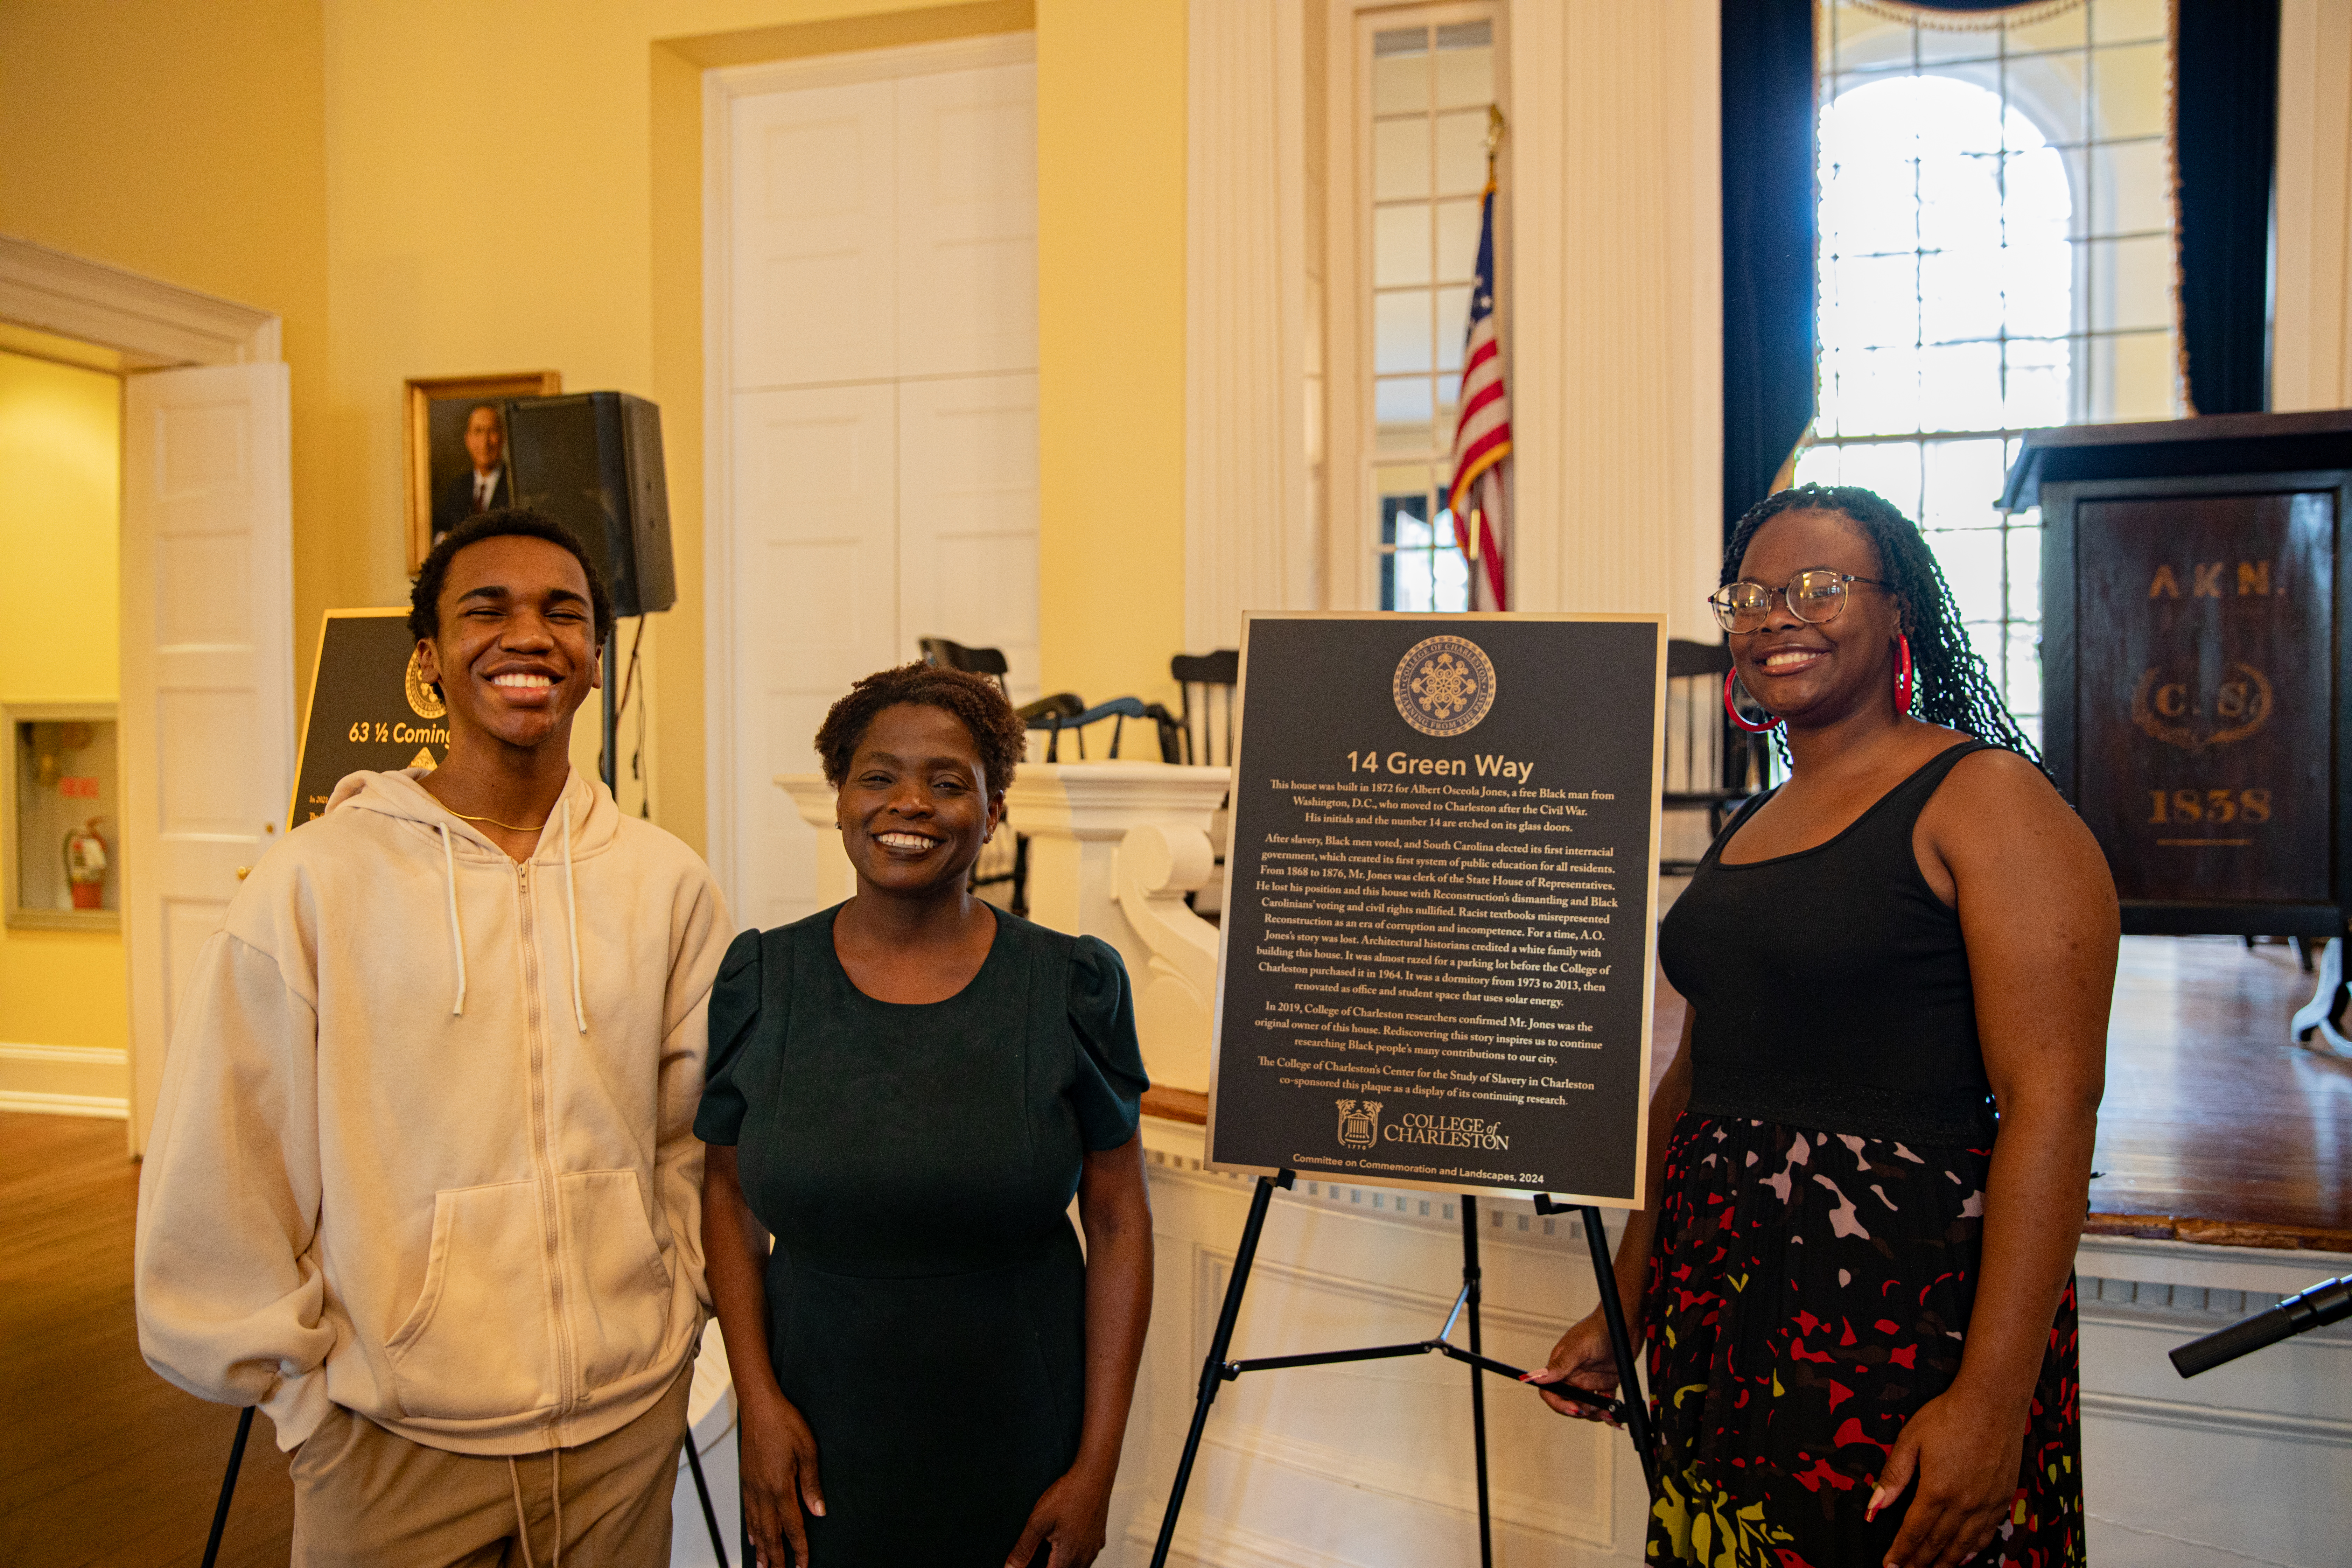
(1808, 1292)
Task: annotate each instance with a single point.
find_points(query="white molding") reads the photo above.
(2311, 337)
(718, 504)
(64, 1080)
(1249, 537)
(892, 64)
(67, 1056)
(1204, 1540)
(2273, 1425)
(153, 323)
(1537, 1516)
(1617, 400)
(2214, 1268)
(104, 1107)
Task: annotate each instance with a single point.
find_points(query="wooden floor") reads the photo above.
(100, 1460)
(2216, 1128)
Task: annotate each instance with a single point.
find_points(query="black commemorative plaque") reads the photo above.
(1440, 902)
(369, 709)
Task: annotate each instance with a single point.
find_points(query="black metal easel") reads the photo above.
(1628, 1409)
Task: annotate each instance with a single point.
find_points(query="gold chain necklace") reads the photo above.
(493, 822)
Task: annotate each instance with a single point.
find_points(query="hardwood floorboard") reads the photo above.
(2216, 1126)
(102, 1463)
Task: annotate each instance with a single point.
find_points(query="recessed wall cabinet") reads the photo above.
(60, 845)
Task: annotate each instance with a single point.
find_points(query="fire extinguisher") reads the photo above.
(86, 863)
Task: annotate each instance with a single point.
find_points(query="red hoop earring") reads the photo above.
(1902, 674)
(1731, 707)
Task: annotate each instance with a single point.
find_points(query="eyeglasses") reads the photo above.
(1812, 597)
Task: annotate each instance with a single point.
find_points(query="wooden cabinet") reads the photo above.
(2197, 661)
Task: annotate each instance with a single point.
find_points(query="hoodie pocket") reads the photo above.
(620, 1291)
(477, 1344)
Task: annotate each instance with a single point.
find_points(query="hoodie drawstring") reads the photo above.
(522, 1521)
(572, 918)
(456, 936)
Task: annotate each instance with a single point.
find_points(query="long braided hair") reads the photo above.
(1949, 684)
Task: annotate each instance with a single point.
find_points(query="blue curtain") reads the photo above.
(1771, 227)
(2225, 125)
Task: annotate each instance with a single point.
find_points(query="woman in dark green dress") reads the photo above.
(905, 1092)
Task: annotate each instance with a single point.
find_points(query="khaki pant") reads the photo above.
(364, 1498)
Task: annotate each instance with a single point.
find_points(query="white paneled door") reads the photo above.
(812, 470)
(877, 331)
(815, 252)
(967, 155)
(968, 515)
(207, 672)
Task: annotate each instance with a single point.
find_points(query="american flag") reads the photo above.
(1482, 435)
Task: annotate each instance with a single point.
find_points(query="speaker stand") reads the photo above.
(608, 760)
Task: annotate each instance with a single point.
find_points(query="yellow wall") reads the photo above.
(1110, 344)
(187, 142)
(60, 507)
(440, 187)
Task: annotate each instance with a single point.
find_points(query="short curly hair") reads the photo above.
(504, 523)
(997, 731)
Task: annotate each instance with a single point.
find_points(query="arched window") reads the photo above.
(1996, 255)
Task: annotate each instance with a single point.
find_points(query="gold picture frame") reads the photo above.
(434, 420)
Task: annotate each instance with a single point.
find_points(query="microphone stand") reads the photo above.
(2329, 1301)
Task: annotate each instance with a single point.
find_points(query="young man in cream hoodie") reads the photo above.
(422, 1182)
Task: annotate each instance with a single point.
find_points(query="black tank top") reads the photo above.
(1831, 987)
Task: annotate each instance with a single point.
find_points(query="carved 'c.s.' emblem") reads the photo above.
(2170, 711)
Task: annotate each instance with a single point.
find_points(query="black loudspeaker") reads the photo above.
(592, 461)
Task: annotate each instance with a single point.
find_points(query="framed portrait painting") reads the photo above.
(457, 449)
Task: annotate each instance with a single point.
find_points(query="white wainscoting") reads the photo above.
(1367, 1464)
(2250, 1462)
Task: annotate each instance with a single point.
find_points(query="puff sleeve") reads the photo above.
(1107, 1092)
(734, 1021)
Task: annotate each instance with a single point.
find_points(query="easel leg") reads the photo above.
(702, 1490)
(1629, 1383)
(229, 1485)
(1471, 1291)
(1212, 1369)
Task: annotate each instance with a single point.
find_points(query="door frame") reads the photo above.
(721, 87)
(154, 325)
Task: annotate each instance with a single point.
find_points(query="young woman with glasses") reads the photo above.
(1858, 1300)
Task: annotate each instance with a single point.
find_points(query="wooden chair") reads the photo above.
(1118, 709)
(1005, 862)
(1710, 766)
(1198, 675)
(1207, 681)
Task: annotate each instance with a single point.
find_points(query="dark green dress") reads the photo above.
(926, 1297)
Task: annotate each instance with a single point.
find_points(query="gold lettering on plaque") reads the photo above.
(2164, 585)
(2165, 711)
(2209, 579)
(2253, 579)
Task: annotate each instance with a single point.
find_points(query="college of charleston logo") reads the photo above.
(1445, 685)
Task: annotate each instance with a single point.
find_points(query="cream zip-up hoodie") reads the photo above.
(425, 1145)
